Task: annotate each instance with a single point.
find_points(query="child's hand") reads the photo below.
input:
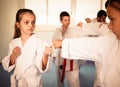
(48, 51)
(88, 20)
(16, 52)
(57, 43)
(80, 24)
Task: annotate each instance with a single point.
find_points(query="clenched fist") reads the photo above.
(15, 53)
(57, 43)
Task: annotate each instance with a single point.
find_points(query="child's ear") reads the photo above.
(17, 24)
(60, 21)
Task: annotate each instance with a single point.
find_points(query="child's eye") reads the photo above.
(26, 22)
(33, 23)
(111, 18)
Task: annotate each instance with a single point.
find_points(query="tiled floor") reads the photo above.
(87, 75)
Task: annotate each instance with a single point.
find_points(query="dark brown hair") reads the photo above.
(64, 13)
(114, 3)
(19, 15)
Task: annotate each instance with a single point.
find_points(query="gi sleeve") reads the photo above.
(86, 48)
(40, 53)
(6, 60)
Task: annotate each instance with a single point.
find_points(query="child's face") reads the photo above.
(101, 19)
(27, 24)
(65, 21)
(114, 25)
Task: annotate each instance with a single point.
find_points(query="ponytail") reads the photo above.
(17, 32)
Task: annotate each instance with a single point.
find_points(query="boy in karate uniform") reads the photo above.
(66, 68)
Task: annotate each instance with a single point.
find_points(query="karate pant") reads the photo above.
(97, 82)
(72, 77)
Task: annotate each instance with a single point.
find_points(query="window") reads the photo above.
(47, 11)
(85, 8)
(55, 7)
(40, 9)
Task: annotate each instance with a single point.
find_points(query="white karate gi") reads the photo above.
(94, 20)
(104, 49)
(94, 30)
(72, 77)
(28, 66)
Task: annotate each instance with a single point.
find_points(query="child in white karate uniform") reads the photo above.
(28, 55)
(103, 49)
(66, 68)
(101, 17)
(95, 29)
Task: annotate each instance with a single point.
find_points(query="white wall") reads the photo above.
(8, 10)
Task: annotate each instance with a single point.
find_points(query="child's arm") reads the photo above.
(16, 52)
(7, 61)
(47, 53)
(57, 43)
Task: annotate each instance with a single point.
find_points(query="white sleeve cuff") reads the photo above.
(5, 64)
